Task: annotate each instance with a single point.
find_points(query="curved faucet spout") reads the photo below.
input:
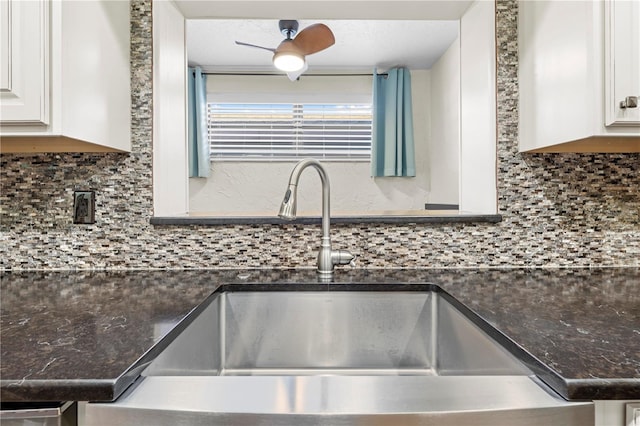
(288, 207)
(326, 260)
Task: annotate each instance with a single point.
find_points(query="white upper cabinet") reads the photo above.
(64, 76)
(24, 69)
(577, 61)
(622, 62)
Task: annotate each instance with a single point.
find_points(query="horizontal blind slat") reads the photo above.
(289, 131)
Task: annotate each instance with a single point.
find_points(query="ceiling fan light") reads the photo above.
(288, 61)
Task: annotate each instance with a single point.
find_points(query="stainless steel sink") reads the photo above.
(333, 333)
(336, 357)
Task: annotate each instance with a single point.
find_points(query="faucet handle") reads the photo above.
(342, 257)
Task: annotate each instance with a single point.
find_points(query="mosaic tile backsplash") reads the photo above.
(558, 209)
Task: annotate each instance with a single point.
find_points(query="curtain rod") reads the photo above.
(305, 75)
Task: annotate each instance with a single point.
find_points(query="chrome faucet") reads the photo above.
(327, 258)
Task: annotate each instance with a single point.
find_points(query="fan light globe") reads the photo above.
(288, 61)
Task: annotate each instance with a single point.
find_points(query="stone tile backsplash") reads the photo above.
(558, 209)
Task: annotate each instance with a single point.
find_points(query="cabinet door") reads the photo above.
(622, 64)
(24, 73)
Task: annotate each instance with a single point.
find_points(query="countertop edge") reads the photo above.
(58, 390)
(273, 220)
(603, 389)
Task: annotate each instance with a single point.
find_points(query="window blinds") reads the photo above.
(289, 131)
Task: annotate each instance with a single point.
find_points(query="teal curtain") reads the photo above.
(392, 147)
(199, 165)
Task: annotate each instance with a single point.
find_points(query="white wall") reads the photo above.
(444, 146)
(170, 190)
(240, 188)
(478, 192)
(278, 88)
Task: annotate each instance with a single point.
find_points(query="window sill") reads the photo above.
(315, 220)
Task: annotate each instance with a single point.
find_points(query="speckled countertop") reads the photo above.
(86, 335)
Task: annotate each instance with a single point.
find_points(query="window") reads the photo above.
(289, 131)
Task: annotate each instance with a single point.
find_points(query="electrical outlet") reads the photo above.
(84, 207)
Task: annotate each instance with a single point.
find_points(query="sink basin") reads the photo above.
(333, 333)
(336, 357)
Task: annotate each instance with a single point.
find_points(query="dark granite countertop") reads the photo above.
(87, 335)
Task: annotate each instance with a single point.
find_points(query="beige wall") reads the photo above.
(256, 188)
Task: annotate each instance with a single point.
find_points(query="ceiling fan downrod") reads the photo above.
(288, 28)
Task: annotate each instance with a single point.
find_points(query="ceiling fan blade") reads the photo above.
(294, 75)
(314, 38)
(241, 43)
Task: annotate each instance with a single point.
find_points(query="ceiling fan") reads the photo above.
(290, 54)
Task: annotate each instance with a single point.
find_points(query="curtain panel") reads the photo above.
(392, 147)
(198, 144)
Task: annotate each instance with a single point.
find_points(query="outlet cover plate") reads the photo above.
(84, 207)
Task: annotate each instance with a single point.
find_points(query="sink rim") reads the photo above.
(267, 394)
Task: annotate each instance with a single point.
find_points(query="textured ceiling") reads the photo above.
(360, 44)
